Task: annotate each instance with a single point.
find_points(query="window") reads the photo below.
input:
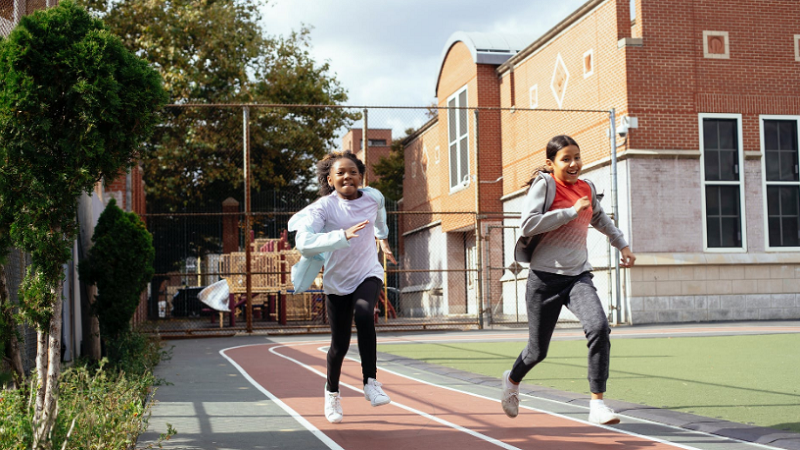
(534, 96)
(458, 139)
(723, 193)
(377, 142)
(780, 160)
(588, 63)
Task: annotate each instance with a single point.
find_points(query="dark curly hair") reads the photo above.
(555, 144)
(324, 169)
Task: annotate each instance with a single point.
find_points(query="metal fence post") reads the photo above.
(365, 146)
(248, 275)
(615, 211)
(478, 259)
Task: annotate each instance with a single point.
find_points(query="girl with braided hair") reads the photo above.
(338, 231)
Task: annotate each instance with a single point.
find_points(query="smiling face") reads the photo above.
(566, 166)
(345, 178)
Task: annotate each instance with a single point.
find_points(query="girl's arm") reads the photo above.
(602, 223)
(310, 239)
(534, 221)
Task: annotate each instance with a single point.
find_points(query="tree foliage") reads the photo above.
(215, 51)
(75, 105)
(120, 264)
(391, 170)
(74, 108)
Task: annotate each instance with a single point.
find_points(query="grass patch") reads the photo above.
(745, 379)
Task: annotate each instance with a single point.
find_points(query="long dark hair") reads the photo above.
(324, 169)
(555, 144)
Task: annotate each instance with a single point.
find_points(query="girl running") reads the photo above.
(339, 231)
(556, 216)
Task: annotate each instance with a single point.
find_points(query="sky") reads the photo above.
(388, 52)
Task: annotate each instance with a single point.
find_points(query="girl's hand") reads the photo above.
(627, 258)
(582, 204)
(387, 250)
(350, 233)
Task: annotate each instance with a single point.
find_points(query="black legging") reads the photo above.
(340, 315)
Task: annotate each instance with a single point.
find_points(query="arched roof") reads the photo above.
(485, 48)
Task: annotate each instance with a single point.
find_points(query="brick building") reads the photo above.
(379, 145)
(709, 194)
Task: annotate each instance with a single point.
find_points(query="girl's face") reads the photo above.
(567, 164)
(345, 178)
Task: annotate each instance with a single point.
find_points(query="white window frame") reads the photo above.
(583, 63)
(533, 96)
(764, 181)
(464, 178)
(740, 183)
(797, 47)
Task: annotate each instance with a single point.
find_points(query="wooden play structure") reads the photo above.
(273, 297)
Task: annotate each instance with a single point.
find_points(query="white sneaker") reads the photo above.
(510, 397)
(374, 393)
(333, 406)
(601, 414)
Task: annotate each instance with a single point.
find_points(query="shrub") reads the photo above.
(108, 405)
(120, 263)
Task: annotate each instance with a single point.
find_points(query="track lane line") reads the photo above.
(473, 433)
(299, 418)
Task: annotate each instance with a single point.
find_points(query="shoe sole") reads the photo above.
(381, 403)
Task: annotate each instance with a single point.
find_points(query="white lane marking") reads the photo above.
(314, 430)
(651, 438)
(491, 440)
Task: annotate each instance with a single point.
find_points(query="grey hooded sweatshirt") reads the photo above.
(537, 221)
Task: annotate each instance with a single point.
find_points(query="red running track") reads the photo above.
(421, 415)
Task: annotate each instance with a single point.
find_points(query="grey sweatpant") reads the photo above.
(545, 295)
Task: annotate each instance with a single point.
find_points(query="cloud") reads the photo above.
(388, 52)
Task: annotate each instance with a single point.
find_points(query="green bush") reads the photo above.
(120, 263)
(108, 405)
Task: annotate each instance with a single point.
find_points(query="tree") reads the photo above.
(74, 107)
(391, 170)
(215, 51)
(120, 264)
(212, 52)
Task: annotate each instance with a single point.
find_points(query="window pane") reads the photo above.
(730, 232)
(771, 134)
(729, 200)
(454, 165)
(464, 156)
(774, 232)
(451, 119)
(713, 232)
(788, 165)
(791, 232)
(462, 114)
(727, 134)
(773, 200)
(788, 135)
(728, 160)
(711, 165)
(710, 140)
(783, 211)
(789, 197)
(712, 200)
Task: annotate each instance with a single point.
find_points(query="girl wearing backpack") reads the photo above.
(556, 215)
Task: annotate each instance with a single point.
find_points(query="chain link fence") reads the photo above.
(452, 233)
